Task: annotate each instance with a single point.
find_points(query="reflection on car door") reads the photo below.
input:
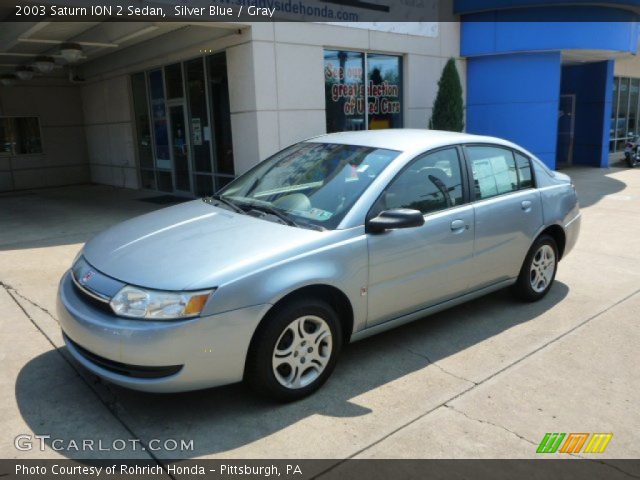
(412, 268)
(508, 212)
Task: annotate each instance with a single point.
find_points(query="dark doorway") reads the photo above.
(584, 113)
(566, 130)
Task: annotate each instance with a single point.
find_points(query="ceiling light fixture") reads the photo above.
(44, 64)
(71, 52)
(24, 73)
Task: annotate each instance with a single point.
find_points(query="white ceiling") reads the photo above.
(576, 57)
(21, 42)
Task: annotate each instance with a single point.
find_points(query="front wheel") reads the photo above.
(538, 270)
(294, 350)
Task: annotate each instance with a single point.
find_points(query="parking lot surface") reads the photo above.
(486, 379)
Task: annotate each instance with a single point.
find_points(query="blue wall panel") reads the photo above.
(489, 34)
(516, 97)
(514, 69)
(471, 6)
(591, 84)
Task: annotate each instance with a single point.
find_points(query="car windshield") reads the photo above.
(313, 184)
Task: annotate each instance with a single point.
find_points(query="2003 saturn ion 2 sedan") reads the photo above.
(328, 241)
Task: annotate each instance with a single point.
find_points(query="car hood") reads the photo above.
(191, 246)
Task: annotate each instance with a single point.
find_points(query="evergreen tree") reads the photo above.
(448, 106)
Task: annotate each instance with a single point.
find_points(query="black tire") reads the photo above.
(523, 288)
(629, 158)
(259, 370)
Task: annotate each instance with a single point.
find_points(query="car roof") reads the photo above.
(405, 139)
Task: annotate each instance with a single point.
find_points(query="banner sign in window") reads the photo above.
(345, 90)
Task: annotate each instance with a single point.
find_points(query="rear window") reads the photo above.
(494, 171)
(498, 170)
(525, 177)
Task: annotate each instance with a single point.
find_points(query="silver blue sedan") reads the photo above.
(328, 241)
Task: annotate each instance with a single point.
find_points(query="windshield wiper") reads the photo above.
(312, 226)
(285, 218)
(264, 208)
(275, 212)
(229, 203)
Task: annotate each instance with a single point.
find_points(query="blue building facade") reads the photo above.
(543, 76)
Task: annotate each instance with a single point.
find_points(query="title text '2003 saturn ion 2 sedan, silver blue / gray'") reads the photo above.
(328, 241)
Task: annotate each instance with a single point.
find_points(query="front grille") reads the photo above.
(133, 371)
(91, 300)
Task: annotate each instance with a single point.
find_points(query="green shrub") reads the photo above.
(448, 110)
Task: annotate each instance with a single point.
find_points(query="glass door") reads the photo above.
(200, 132)
(183, 126)
(162, 152)
(180, 148)
(220, 114)
(566, 126)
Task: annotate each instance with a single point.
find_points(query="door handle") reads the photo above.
(526, 205)
(458, 225)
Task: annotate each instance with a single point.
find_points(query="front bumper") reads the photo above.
(204, 352)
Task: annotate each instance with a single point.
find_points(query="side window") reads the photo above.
(524, 171)
(432, 182)
(494, 171)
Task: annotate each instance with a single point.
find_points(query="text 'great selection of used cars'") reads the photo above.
(328, 241)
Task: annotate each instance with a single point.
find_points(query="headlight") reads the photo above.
(136, 302)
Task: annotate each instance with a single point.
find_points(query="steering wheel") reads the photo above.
(294, 201)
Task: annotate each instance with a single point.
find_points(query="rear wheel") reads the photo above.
(538, 270)
(295, 350)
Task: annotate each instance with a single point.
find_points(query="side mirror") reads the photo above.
(396, 218)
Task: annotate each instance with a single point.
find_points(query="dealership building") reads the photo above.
(184, 107)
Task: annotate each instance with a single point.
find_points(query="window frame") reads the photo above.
(219, 180)
(136, 133)
(365, 65)
(13, 152)
(401, 85)
(531, 169)
(469, 168)
(464, 173)
(615, 137)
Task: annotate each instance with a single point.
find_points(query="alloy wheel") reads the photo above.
(543, 266)
(302, 352)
